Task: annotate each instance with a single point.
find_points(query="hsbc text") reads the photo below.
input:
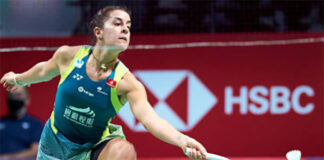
(260, 100)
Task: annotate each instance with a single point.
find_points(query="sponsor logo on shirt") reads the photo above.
(82, 90)
(78, 63)
(99, 89)
(111, 83)
(82, 116)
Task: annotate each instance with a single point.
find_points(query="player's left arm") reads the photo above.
(159, 127)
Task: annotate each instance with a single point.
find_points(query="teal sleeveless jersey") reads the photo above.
(84, 108)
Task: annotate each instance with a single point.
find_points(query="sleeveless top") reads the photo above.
(84, 108)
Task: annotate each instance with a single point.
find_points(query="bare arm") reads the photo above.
(42, 71)
(159, 127)
(31, 152)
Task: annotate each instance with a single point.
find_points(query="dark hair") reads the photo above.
(101, 16)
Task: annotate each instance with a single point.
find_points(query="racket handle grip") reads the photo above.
(209, 156)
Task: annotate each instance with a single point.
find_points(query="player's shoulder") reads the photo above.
(67, 51)
(65, 54)
(129, 82)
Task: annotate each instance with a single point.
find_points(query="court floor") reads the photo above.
(236, 158)
(231, 158)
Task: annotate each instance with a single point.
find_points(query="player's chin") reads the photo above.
(118, 47)
(123, 47)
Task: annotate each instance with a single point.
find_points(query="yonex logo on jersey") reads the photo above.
(78, 63)
(182, 99)
(82, 90)
(77, 76)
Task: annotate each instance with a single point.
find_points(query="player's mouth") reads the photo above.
(123, 38)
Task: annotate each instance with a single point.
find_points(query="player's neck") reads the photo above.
(104, 59)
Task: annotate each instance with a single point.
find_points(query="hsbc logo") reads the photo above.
(169, 87)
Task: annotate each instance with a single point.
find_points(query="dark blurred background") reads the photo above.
(21, 18)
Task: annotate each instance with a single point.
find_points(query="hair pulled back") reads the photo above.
(102, 15)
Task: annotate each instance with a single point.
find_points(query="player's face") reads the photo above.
(116, 29)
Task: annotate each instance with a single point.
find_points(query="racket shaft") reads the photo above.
(210, 156)
(215, 157)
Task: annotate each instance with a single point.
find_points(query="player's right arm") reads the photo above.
(42, 71)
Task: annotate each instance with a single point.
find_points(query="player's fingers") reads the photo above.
(189, 150)
(9, 87)
(202, 149)
(204, 157)
(194, 153)
(5, 84)
(199, 155)
(191, 153)
(13, 88)
(3, 78)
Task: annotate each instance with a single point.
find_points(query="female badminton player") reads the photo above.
(94, 85)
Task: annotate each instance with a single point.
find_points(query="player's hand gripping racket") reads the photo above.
(210, 156)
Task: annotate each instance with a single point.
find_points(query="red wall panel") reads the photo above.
(279, 80)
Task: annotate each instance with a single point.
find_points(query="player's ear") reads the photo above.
(98, 33)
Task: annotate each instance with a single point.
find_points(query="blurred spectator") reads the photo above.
(19, 132)
(71, 17)
(88, 8)
(272, 18)
(314, 20)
